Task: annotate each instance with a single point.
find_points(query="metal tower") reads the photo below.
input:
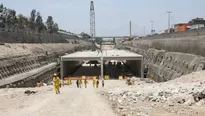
(92, 19)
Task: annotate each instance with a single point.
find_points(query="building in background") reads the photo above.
(197, 23)
(167, 30)
(181, 27)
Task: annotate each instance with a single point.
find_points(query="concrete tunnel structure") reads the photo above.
(72, 62)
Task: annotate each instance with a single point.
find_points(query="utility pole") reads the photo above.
(130, 29)
(92, 24)
(169, 12)
(92, 19)
(152, 26)
(144, 30)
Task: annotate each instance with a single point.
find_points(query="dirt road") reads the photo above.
(71, 102)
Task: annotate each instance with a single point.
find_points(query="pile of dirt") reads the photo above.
(186, 91)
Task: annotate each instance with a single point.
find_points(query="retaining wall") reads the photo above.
(19, 36)
(21, 65)
(189, 33)
(164, 66)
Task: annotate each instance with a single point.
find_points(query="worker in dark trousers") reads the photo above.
(97, 83)
(103, 83)
(77, 83)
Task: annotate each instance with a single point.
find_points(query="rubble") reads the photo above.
(172, 93)
(28, 92)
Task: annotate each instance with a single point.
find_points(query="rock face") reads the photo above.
(164, 66)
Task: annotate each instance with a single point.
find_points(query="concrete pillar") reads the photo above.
(142, 68)
(102, 75)
(130, 29)
(61, 70)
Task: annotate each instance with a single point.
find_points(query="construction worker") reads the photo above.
(103, 83)
(85, 82)
(70, 81)
(80, 83)
(93, 82)
(97, 83)
(77, 83)
(56, 82)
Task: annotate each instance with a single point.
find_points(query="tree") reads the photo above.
(13, 17)
(55, 28)
(32, 19)
(39, 23)
(22, 21)
(2, 16)
(1, 8)
(49, 24)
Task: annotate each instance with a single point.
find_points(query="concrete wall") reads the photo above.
(164, 65)
(192, 45)
(10, 36)
(189, 33)
(14, 66)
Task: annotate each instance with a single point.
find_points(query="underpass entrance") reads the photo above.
(111, 62)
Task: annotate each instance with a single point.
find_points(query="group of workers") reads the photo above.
(79, 82)
(95, 83)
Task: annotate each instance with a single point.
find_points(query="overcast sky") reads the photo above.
(112, 16)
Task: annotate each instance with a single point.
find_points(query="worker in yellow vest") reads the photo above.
(80, 83)
(57, 84)
(93, 82)
(85, 82)
(70, 81)
(97, 83)
(83, 77)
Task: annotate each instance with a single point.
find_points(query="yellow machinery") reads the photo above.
(120, 77)
(107, 77)
(83, 77)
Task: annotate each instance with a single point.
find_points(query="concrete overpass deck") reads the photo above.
(107, 55)
(135, 61)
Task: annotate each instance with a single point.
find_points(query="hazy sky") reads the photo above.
(112, 16)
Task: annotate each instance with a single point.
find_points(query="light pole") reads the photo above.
(144, 30)
(169, 12)
(152, 26)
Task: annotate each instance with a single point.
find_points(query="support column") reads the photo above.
(102, 75)
(130, 29)
(142, 68)
(61, 70)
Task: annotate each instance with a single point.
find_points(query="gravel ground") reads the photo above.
(71, 102)
(176, 97)
(184, 96)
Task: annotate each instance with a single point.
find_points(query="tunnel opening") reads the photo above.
(115, 63)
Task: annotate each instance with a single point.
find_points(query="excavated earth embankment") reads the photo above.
(26, 64)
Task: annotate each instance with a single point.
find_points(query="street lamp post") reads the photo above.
(169, 12)
(144, 30)
(152, 26)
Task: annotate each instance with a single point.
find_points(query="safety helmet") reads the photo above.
(55, 75)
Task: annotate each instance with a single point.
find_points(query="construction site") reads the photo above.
(72, 76)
